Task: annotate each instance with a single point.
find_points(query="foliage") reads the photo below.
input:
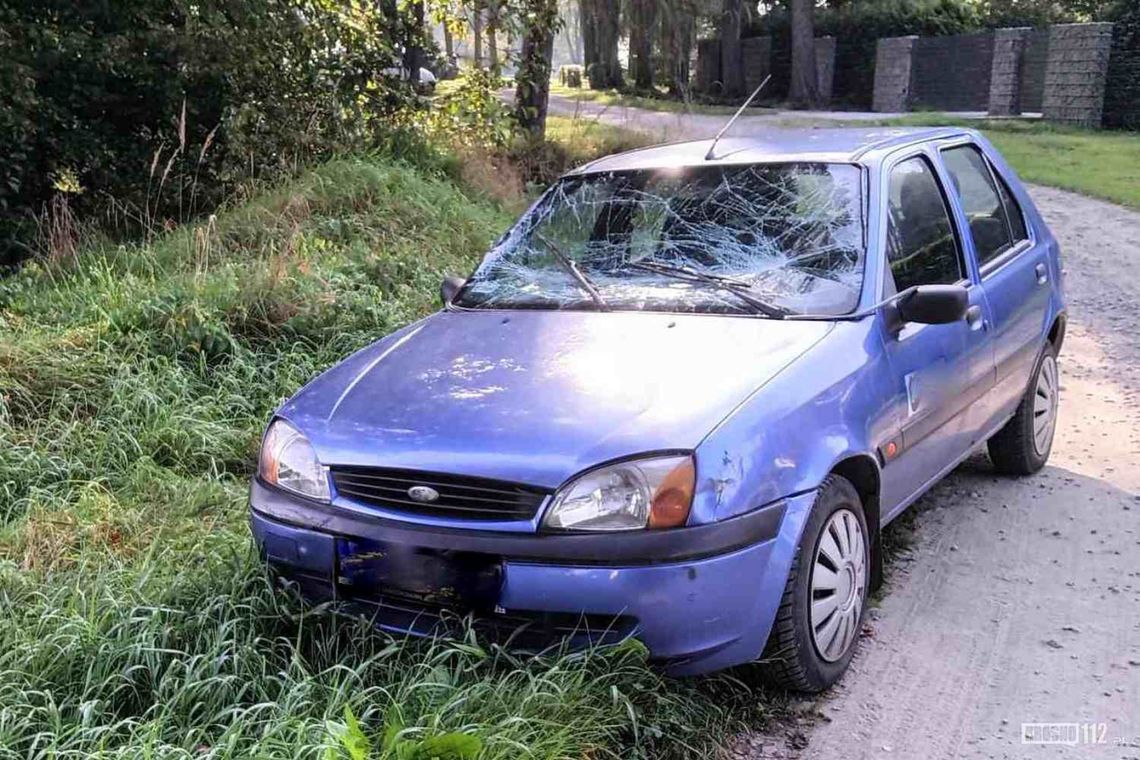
(1122, 90)
(469, 112)
(163, 105)
(135, 620)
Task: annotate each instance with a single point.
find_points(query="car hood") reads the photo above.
(537, 396)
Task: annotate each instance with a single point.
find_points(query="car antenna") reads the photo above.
(710, 156)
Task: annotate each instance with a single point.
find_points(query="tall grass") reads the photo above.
(134, 622)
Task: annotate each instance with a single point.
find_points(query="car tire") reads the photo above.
(798, 655)
(1022, 446)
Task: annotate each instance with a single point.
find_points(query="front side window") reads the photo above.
(985, 212)
(718, 239)
(921, 247)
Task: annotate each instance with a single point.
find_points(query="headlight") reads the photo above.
(288, 461)
(642, 493)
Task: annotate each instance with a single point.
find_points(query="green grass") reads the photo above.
(1097, 163)
(134, 620)
(661, 102)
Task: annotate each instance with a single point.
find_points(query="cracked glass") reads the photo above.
(771, 239)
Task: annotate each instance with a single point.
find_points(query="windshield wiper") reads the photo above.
(741, 290)
(570, 266)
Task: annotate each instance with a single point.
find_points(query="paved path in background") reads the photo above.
(1019, 599)
(665, 125)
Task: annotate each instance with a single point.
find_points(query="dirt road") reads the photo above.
(1017, 601)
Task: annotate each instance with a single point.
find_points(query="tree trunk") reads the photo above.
(601, 19)
(532, 80)
(731, 60)
(414, 47)
(677, 32)
(804, 89)
(591, 55)
(448, 44)
(643, 15)
(492, 41)
(477, 31)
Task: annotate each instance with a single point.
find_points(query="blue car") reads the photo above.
(679, 399)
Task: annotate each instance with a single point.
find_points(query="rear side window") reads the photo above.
(1013, 211)
(985, 210)
(921, 247)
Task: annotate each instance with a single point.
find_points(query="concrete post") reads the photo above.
(1005, 72)
(894, 57)
(1075, 73)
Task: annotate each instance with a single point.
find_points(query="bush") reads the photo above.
(162, 105)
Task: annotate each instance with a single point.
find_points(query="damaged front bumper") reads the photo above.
(700, 598)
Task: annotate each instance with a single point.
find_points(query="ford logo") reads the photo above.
(423, 494)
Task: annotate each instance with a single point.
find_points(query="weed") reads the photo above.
(135, 620)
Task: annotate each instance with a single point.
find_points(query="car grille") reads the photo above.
(519, 631)
(459, 496)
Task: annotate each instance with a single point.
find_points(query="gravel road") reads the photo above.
(1017, 600)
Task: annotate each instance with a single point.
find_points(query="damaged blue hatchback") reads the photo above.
(679, 399)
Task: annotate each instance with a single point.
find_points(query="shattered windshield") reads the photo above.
(770, 239)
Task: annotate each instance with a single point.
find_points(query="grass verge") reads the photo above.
(1097, 163)
(134, 622)
(619, 99)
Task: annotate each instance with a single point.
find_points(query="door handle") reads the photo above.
(974, 317)
(1042, 274)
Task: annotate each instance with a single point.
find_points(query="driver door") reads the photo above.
(938, 371)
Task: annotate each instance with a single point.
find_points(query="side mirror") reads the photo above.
(450, 289)
(933, 304)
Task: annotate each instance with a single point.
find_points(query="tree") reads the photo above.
(678, 25)
(493, 23)
(601, 30)
(414, 48)
(477, 31)
(804, 89)
(532, 80)
(642, 23)
(731, 58)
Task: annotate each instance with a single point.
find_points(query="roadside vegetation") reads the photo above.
(659, 101)
(135, 380)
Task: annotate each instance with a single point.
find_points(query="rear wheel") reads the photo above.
(1022, 447)
(821, 612)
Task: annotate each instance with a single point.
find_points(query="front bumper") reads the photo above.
(700, 598)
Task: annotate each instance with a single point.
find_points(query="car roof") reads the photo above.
(831, 145)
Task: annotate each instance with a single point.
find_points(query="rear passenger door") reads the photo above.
(1013, 269)
(939, 371)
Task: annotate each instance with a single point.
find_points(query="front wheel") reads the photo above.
(821, 611)
(1023, 445)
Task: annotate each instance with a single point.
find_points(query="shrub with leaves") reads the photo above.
(162, 105)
